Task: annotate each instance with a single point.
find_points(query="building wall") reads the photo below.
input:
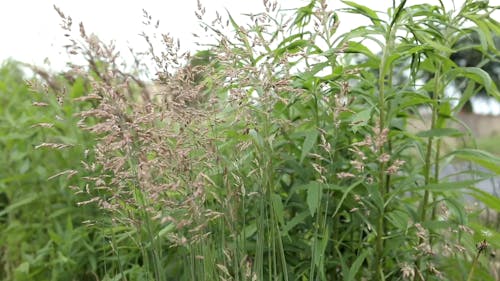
(482, 125)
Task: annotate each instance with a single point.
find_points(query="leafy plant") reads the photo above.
(42, 235)
(273, 156)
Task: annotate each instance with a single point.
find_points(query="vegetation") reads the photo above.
(468, 56)
(271, 156)
(42, 236)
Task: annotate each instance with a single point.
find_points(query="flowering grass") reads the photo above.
(282, 152)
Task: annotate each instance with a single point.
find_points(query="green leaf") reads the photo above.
(21, 272)
(399, 11)
(482, 158)
(165, 230)
(248, 231)
(484, 30)
(313, 196)
(360, 119)
(291, 43)
(291, 38)
(242, 36)
(258, 141)
(78, 88)
(458, 207)
(346, 192)
(407, 50)
(466, 95)
(356, 265)
(399, 218)
(445, 186)
(441, 132)
(484, 232)
(434, 44)
(363, 33)
(376, 198)
(314, 188)
(319, 249)
(413, 98)
(359, 48)
(304, 15)
(482, 77)
(491, 201)
(292, 48)
(295, 221)
(278, 208)
(25, 201)
(308, 144)
(363, 10)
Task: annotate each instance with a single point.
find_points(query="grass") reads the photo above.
(269, 156)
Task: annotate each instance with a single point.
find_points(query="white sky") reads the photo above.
(30, 31)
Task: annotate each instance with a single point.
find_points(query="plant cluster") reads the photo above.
(43, 235)
(276, 155)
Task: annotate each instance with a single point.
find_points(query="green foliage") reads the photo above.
(41, 234)
(272, 156)
(357, 187)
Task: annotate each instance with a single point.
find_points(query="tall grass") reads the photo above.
(283, 152)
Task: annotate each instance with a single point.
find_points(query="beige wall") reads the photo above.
(482, 125)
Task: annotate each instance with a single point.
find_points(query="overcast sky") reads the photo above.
(30, 29)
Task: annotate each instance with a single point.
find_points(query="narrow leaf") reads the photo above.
(346, 192)
(445, 186)
(295, 221)
(482, 158)
(440, 132)
(313, 197)
(490, 200)
(278, 208)
(480, 76)
(356, 265)
(363, 10)
(308, 144)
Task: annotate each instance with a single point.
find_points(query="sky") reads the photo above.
(30, 29)
(31, 33)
